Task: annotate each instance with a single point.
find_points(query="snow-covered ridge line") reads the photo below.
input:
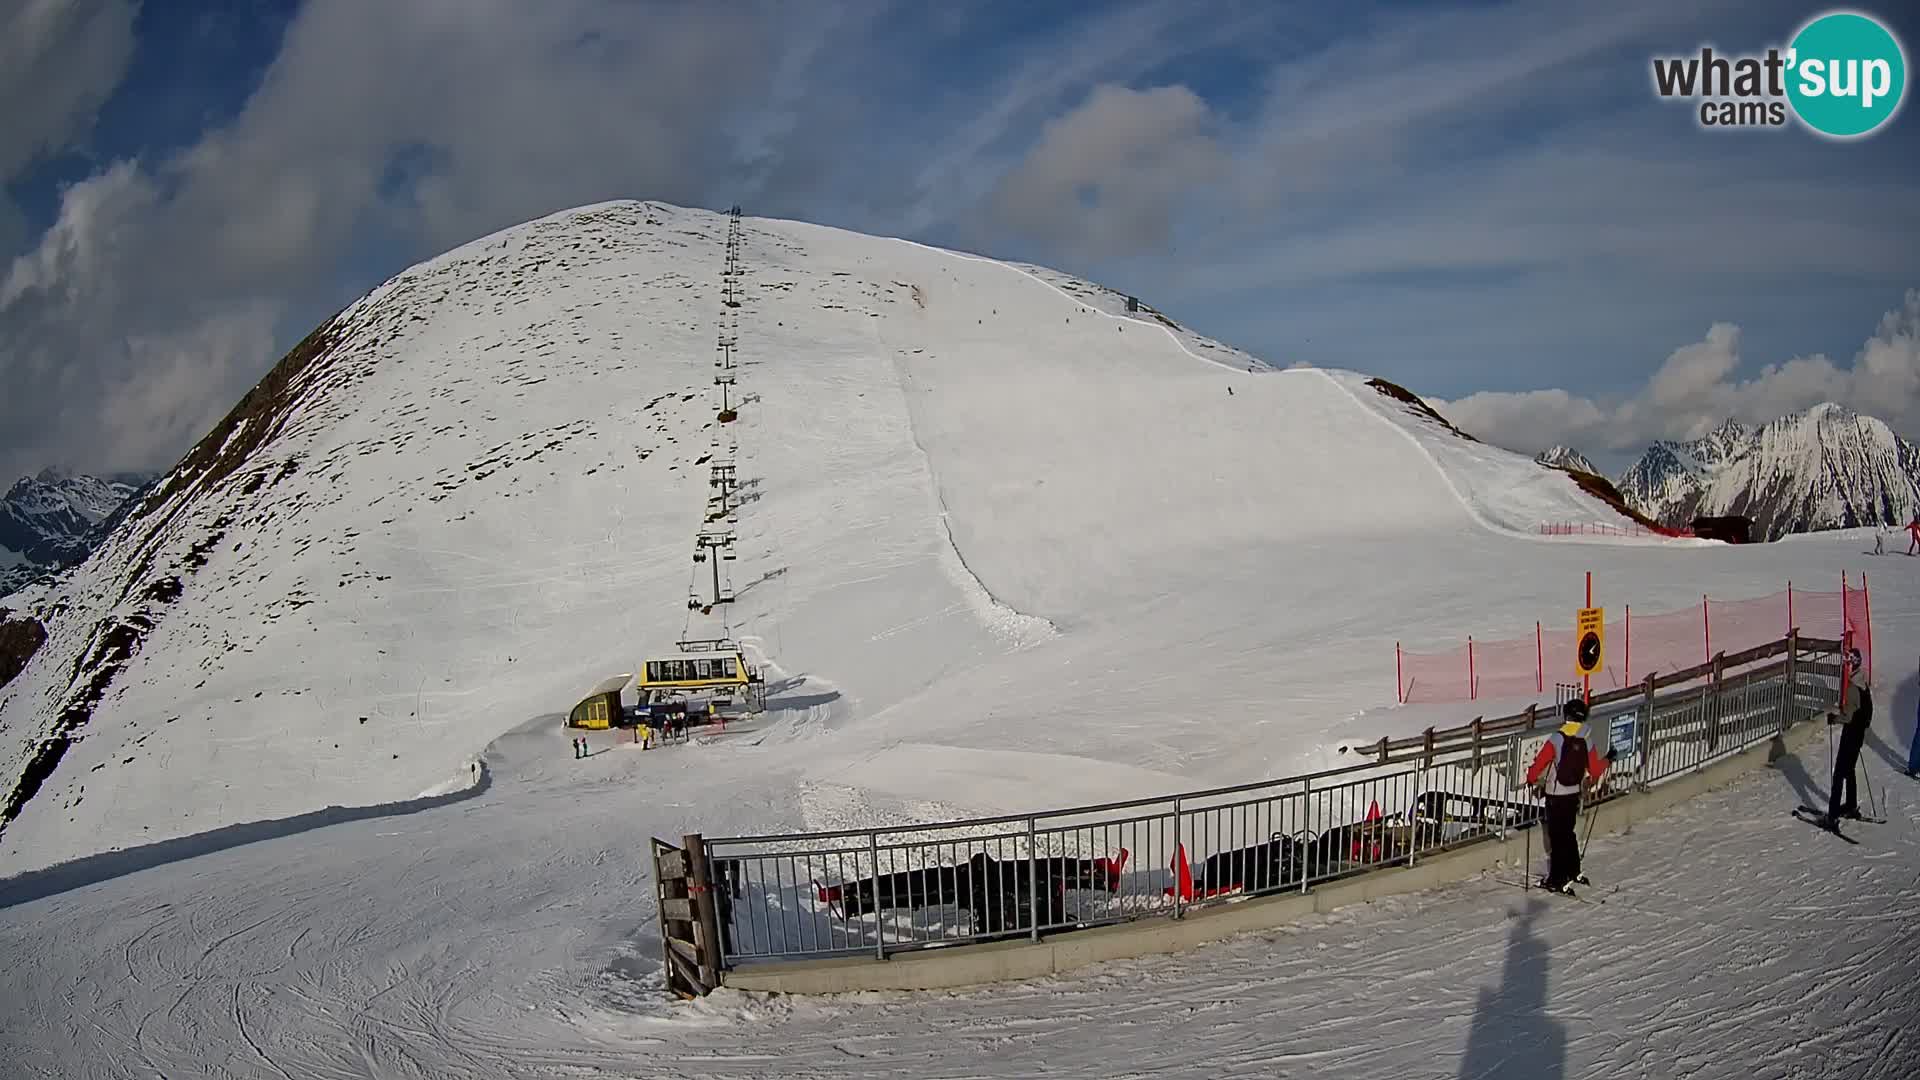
(1267, 369)
(1528, 530)
(1511, 479)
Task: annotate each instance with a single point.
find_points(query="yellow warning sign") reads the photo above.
(1590, 631)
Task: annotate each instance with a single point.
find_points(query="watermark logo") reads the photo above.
(1843, 75)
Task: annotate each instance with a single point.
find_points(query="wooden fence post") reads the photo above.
(678, 938)
(1646, 733)
(1716, 691)
(1789, 699)
(708, 922)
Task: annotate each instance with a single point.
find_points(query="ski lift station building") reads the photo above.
(600, 709)
(712, 669)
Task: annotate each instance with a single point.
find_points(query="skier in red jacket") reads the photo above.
(1569, 754)
(1914, 528)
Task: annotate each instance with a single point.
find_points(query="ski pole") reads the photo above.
(1830, 777)
(1592, 815)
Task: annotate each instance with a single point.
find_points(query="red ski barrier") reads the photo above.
(1638, 643)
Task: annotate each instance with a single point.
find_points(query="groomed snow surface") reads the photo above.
(1006, 547)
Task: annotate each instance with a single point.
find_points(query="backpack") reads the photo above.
(1570, 768)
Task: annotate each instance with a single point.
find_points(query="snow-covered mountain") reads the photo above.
(1566, 457)
(1664, 484)
(1825, 468)
(54, 519)
(473, 494)
(1002, 546)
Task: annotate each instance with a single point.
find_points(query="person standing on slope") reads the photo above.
(1572, 760)
(1844, 802)
(1914, 528)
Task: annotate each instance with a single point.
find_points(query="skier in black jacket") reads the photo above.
(1845, 800)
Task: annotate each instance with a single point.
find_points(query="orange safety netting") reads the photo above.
(1637, 645)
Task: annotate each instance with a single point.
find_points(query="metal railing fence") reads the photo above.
(883, 891)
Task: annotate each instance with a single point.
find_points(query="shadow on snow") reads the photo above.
(94, 869)
(1512, 1037)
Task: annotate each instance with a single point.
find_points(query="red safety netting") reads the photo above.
(1858, 606)
(1637, 645)
(1441, 676)
(1504, 669)
(1818, 614)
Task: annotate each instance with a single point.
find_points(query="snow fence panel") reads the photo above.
(1739, 625)
(1638, 642)
(1436, 676)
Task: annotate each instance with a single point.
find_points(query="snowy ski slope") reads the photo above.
(1003, 545)
(509, 935)
(480, 500)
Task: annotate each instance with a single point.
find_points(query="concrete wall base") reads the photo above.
(969, 965)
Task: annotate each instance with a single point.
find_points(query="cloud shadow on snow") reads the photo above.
(94, 869)
(1512, 1037)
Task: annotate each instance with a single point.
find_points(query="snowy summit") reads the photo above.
(1565, 457)
(55, 518)
(472, 495)
(1827, 467)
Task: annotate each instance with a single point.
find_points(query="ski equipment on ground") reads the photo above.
(1815, 811)
(1824, 826)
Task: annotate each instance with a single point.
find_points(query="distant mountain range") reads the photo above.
(1566, 457)
(1825, 468)
(55, 519)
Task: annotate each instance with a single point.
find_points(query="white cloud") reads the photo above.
(1696, 390)
(1693, 373)
(1104, 179)
(71, 271)
(1398, 195)
(158, 290)
(981, 133)
(168, 405)
(59, 61)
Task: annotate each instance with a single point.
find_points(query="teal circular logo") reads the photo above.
(1846, 74)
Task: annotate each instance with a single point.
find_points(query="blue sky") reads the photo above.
(1483, 201)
